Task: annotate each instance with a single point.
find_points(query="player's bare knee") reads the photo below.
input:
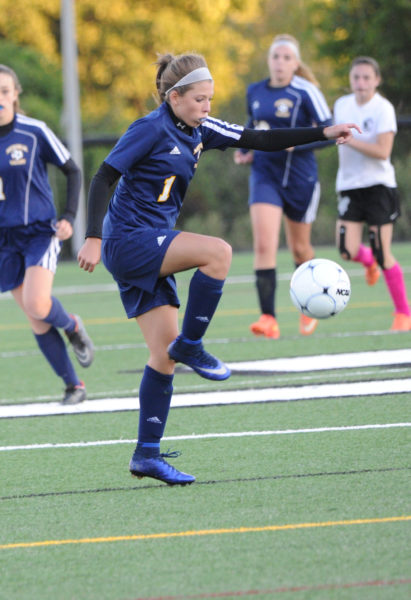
(36, 308)
(302, 253)
(162, 363)
(221, 259)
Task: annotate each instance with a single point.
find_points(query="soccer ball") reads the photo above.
(320, 288)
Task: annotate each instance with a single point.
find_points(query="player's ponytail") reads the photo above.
(173, 68)
(7, 71)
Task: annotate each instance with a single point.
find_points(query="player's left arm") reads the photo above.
(280, 139)
(315, 145)
(53, 151)
(73, 185)
(381, 149)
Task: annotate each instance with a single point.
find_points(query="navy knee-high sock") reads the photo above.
(203, 297)
(156, 390)
(54, 349)
(59, 317)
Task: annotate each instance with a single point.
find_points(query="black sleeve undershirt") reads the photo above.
(73, 186)
(278, 139)
(99, 197)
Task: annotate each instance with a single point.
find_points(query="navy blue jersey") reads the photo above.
(299, 104)
(25, 193)
(157, 162)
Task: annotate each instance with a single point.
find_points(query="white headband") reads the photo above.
(200, 74)
(288, 43)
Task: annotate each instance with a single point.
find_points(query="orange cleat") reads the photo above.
(307, 325)
(401, 322)
(372, 273)
(266, 325)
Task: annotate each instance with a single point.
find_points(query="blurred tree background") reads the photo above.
(118, 42)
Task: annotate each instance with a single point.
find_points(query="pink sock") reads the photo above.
(364, 256)
(394, 279)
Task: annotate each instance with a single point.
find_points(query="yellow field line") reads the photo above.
(178, 534)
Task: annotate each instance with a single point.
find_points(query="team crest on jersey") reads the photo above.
(16, 153)
(283, 107)
(368, 124)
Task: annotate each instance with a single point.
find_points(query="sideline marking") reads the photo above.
(203, 436)
(276, 394)
(201, 532)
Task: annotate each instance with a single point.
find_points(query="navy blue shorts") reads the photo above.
(299, 202)
(23, 247)
(135, 260)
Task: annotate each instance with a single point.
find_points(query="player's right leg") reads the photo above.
(159, 327)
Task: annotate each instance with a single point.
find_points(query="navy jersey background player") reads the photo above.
(299, 104)
(31, 234)
(283, 183)
(153, 164)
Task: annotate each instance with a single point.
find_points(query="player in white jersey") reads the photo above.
(153, 163)
(31, 234)
(366, 185)
(285, 183)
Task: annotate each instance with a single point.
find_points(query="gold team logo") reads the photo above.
(16, 153)
(197, 152)
(283, 107)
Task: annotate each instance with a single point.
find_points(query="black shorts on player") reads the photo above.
(374, 205)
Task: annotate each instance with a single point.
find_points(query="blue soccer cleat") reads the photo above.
(193, 355)
(157, 468)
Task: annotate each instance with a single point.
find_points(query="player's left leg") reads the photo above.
(159, 327)
(266, 219)
(42, 306)
(298, 237)
(393, 275)
(212, 256)
(46, 335)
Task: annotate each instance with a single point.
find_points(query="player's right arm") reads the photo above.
(89, 254)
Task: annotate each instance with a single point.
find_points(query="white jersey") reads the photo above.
(356, 170)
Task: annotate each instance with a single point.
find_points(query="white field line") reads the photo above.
(280, 394)
(204, 436)
(323, 362)
(241, 340)
(69, 290)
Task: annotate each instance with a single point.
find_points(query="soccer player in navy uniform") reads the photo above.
(285, 182)
(31, 235)
(153, 163)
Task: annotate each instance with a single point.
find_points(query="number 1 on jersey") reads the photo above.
(166, 189)
(2, 195)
